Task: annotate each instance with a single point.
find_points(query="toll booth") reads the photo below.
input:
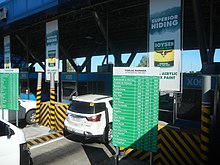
(28, 86)
(189, 104)
(85, 83)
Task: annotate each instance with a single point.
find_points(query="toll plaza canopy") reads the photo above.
(88, 27)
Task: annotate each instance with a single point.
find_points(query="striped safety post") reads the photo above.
(52, 103)
(205, 131)
(38, 99)
(205, 119)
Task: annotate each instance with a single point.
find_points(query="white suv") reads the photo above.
(89, 119)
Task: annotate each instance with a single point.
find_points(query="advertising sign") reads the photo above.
(7, 52)
(52, 49)
(9, 89)
(136, 107)
(165, 41)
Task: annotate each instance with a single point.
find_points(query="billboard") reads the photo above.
(9, 85)
(136, 107)
(165, 41)
(52, 49)
(7, 52)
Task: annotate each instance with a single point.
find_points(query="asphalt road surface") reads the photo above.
(65, 152)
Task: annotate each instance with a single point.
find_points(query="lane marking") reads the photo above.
(47, 142)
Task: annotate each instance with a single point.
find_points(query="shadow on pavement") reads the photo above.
(95, 155)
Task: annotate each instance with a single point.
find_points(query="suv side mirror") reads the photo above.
(8, 131)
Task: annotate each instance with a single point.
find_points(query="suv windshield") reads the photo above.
(86, 107)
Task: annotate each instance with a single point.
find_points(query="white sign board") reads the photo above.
(7, 52)
(52, 49)
(165, 42)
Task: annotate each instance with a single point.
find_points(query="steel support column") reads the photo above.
(64, 65)
(66, 54)
(116, 54)
(211, 35)
(87, 63)
(30, 52)
(200, 29)
(133, 54)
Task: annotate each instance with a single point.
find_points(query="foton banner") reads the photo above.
(165, 41)
(7, 52)
(52, 49)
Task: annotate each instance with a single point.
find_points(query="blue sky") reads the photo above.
(190, 60)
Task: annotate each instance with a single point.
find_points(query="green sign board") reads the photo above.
(136, 106)
(9, 89)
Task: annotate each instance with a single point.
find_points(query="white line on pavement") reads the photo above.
(45, 143)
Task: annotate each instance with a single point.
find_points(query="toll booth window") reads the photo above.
(23, 87)
(69, 90)
(166, 107)
(97, 87)
(190, 106)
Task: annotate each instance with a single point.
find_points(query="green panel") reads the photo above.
(135, 116)
(9, 92)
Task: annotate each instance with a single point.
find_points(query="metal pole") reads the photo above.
(116, 155)
(174, 108)
(205, 118)
(151, 158)
(58, 92)
(38, 103)
(16, 118)
(52, 102)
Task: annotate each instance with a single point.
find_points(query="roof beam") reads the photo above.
(117, 55)
(133, 54)
(67, 55)
(85, 63)
(30, 52)
(211, 34)
(200, 29)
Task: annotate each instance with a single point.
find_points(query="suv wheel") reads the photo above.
(30, 117)
(107, 137)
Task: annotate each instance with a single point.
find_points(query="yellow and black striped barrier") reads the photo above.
(52, 110)
(38, 104)
(38, 99)
(44, 138)
(174, 147)
(44, 114)
(205, 132)
(60, 114)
